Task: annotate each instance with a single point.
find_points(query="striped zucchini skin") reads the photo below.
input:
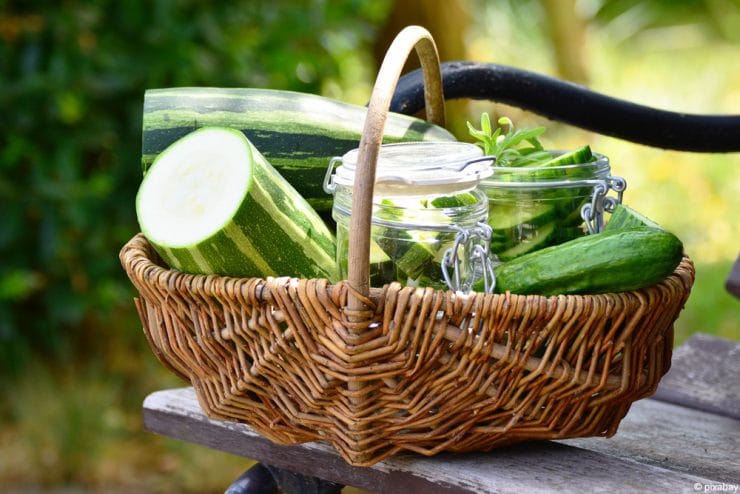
(298, 133)
(274, 231)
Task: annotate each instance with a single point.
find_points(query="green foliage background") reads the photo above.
(72, 79)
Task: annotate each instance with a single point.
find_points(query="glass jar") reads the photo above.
(534, 207)
(425, 200)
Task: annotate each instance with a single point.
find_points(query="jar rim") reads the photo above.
(423, 167)
(550, 176)
(601, 160)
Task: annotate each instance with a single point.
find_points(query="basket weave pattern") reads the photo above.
(379, 371)
(438, 371)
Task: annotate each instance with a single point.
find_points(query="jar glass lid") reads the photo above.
(427, 167)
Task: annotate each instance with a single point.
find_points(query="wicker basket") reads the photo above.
(379, 371)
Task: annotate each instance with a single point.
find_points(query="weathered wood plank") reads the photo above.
(676, 438)
(532, 467)
(705, 375)
(175, 413)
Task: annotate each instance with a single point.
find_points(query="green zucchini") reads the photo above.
(298, 133)
(212, 204)
(610, 261)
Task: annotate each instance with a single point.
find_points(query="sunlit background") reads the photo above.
(74, 366)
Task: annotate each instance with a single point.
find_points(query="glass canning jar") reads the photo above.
(534, 207)
(425, 200)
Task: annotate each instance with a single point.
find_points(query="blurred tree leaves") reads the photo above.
(718, 18)
(72, 77)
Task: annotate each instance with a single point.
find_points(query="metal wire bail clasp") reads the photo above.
(329, 185)
(474, 243)
(593, 212)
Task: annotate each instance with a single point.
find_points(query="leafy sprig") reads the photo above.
(507, 146)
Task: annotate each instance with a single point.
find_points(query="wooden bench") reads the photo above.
(686, 438)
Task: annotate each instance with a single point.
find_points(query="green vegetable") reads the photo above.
(298, 133)
(416, 254)
(411, 252)
(507, 216)
(576, 157)
(625, 217)
(382, 269)
(537, 217)
(456, 201)
(611, 261)
(527, 218)
(212, 204)
(540, 238)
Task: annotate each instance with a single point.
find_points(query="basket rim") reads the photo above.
(140, 261)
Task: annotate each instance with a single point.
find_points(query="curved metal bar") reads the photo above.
(577, 106)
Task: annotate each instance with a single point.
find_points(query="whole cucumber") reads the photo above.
(610, 261)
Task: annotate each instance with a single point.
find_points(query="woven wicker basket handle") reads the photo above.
(372, 136)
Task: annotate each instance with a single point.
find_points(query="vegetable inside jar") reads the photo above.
(532, 207)
(425, 199)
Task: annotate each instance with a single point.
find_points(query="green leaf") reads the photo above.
(504, 147)
(478, 134)
(485, 123)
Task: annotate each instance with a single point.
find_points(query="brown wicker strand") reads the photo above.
(439, 371)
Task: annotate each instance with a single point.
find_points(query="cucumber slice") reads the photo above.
(382, 268)
(419, 260)
(416, 254)
(456, 201)
(506, 216)
(570, 211)
(413, 253)
(576, 157)
(626, 217)
(377, 255)
(539, 240)
(526, 219)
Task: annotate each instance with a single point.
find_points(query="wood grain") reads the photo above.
(675, 438)
(640, 458)
(705, 375)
